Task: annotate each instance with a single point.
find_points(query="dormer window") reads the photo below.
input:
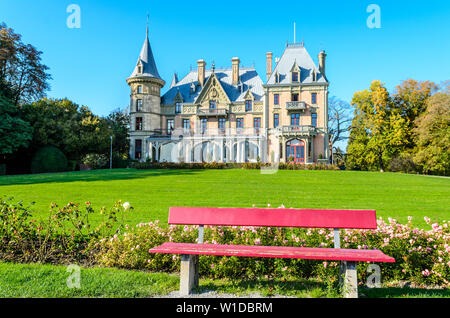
(212, 105)
(140, 69)
(314, 76)
(295, 73)
(277, 78)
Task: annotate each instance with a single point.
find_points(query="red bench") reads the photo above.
(306, 218)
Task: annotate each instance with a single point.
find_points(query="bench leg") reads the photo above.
(188, 274)
(351, 280)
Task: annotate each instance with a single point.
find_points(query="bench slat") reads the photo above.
(329, 254)
(310, 218)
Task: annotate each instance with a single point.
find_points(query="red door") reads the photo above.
(295, 151)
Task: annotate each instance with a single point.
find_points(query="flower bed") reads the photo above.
(421, 256)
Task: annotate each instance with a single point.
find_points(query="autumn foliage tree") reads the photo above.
(406, 131)
(432, 133)
(377, 129)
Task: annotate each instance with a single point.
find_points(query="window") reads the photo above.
(295, 119)
(140, 69)
(187, 125)
(204, 125)
(138, 123)
(294, 77)
(276, 99)
(309, 150)
(257, 124)
(138, 149)
(313, 98)
(277, 78)
(178, 108)
(222, 122)
(170, 126)
(314, 120)
(294, 97)
(276, 120)
(139, 89)
(139, 105)
(239, 124)
(248, 105)
(212, 105)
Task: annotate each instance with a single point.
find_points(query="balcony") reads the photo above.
(295, 105)
(212, 112)
(299, 130)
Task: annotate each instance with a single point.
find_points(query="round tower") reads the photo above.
(145, 102)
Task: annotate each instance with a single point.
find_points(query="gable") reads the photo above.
(213, 90)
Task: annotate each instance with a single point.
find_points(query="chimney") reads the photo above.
(235, 69)
(322, 57)
(269, 56)
(201, 72)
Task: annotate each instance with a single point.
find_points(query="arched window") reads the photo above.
(295, 151)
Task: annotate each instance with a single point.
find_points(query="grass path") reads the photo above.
(152, 192)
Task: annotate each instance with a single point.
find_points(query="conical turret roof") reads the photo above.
(146, 66)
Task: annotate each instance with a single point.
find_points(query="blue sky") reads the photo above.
(90, 65)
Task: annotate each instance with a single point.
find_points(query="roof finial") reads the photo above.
(148, 17)
(294, 33)
(213, 66)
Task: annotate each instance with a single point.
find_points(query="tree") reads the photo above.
(67, 126)
(339, 121)
(409, 102)
(432, 135)
(378, 130)
(119, 121)
(23, 77)
(14, 132)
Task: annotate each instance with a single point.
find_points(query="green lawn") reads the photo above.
(152, 192)
(49, 281)
(36, 281)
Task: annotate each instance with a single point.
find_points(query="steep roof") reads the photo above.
(147, 61)
(296, 54)
(249, 79)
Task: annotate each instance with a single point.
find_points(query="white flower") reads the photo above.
(126, 206)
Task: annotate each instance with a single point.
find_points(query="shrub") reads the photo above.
(48, 159)
(402, 163)
(95, 161)
(65, 236)
(219, 165)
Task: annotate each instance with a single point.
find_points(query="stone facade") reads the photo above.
(230, 115)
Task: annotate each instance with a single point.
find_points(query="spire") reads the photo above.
(146, 66)
(174, 80)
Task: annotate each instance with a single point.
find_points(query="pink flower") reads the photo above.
(426, 273)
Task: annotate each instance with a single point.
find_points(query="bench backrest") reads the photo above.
(308, 218)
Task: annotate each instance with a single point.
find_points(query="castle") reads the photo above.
(231, 115)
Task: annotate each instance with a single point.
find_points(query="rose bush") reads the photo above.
(422, 256)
